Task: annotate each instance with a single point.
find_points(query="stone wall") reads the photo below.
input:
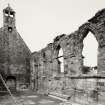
(14, 53)
(14, 56)
(48, 64)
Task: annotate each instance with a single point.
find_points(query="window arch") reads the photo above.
(90, 50)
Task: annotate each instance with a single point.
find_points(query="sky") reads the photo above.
(40, 21)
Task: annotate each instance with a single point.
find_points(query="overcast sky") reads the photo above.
(39, 21)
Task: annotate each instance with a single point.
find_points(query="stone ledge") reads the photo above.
(60, 95)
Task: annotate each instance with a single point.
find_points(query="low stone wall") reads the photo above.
(75, 89)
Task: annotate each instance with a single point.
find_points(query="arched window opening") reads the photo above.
(11, 14)
(6, 13)
(60, 57)
(90, 50)
(10, 29)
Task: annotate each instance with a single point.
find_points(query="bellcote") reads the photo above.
(9, 17)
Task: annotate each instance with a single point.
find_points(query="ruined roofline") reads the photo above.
(97, 18)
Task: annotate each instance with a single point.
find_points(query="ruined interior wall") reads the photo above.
(72, 46)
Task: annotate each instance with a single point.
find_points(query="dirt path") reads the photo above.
(28, 98)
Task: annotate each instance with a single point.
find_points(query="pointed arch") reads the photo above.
(90, 50)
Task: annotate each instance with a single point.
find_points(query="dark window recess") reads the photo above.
(10, 29)
(11, 78)
(11, 14)
(6, 13)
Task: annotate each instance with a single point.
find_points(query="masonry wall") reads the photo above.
(72, 46)
(14, 56)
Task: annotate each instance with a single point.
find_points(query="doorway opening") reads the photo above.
(11, 82)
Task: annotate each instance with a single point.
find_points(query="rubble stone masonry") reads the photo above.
(45, 64)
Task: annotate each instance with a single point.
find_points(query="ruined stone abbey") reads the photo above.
(41, 70)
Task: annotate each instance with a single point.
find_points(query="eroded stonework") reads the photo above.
(45, 64)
